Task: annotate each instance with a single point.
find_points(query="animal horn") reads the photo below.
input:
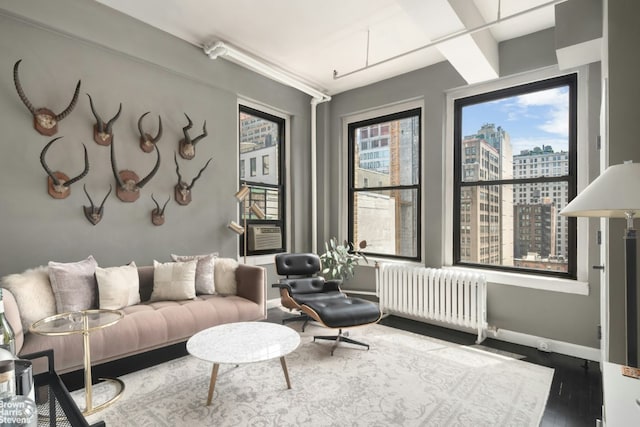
(44, 163)
(140, 124)
(72, 104)
(204, 133)
(142, 135)
(99, 122)
(21, 94)
(84, 172)
(114, 167)
(84, 187)
(175, 158)
(147, 178)
(110, 122)
(105, 198)
(185, 130)
(200, 173)
(154, 140)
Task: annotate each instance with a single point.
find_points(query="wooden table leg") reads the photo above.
(286, 373)
(212, 383)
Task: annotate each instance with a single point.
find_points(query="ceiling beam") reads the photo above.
(474, 56)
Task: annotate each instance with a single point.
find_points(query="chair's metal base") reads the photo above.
(341, 337)
(302, 317)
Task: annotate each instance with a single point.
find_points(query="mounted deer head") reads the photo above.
(103, 133)
(188, 145)
(58, 184)
(182, 190)
(45, 121)
(147, 142)
(128, 183)
(93, 214)
(157, 214)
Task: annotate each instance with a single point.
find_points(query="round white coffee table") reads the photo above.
(243, 342)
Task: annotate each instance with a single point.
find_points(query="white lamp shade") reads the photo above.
(613, 194)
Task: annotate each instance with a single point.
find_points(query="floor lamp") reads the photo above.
(241, 197)
(616, 194)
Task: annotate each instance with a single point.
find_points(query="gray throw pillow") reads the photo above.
(205, 283)
(74, 284)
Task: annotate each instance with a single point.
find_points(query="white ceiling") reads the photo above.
(309, 39)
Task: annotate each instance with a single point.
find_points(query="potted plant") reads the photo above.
(339, 260)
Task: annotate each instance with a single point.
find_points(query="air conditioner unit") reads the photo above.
(264, 237)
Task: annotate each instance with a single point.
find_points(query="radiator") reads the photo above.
(442, 295)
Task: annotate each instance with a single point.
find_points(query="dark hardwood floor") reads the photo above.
(575, 398)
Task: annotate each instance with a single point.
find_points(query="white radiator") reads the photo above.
(442, 295)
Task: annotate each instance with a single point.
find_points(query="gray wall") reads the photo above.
(624, 92)
(122, 60)
(525, 310)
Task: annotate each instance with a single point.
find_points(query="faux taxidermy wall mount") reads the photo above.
(157, 214)
(187, 144)
(128, 184)
(45, 121)
(182, 190)
(103, 133)
(93, 214)
(58, 183)
(147, 142)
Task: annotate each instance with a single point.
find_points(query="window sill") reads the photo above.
(258, 259)
(532, 281)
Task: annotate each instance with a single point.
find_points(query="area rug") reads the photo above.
(403, 380)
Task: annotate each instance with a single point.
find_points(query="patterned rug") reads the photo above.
(403, 380)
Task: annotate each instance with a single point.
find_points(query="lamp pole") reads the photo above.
(630, 253)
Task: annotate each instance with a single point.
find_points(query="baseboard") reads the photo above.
(552, 346)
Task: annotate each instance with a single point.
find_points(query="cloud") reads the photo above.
(555, 105)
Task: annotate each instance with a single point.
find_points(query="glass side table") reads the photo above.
(83, 322)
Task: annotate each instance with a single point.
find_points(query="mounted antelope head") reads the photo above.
(147, 141)
(103, 133)
(157, 214)
(58, 184)
(93, 214)
(182, 190)
(45, 121)
(187, 144)
(128, 183)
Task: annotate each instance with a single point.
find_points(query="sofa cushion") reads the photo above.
(33, 294)
(118, 286)
(174, 281)
(74, 284)
(205, 283)
(225, 276)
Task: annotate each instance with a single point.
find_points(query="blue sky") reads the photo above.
(531, 120)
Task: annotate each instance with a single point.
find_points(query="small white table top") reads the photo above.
(243, 342)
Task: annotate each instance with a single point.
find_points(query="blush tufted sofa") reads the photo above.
(146, 325)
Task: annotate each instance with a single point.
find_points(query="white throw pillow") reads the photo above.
(205, 283)
(174, 281)
(118, 286)
(225, 276)
(33, 294)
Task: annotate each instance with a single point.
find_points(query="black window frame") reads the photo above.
(351, 129)
(280, 186)
(568, 80)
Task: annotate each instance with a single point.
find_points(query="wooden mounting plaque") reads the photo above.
(51, 187)
(128, 196)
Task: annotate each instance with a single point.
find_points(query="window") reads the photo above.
(387, 214)
(241, 168)
(262, 136)
(511, 219)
